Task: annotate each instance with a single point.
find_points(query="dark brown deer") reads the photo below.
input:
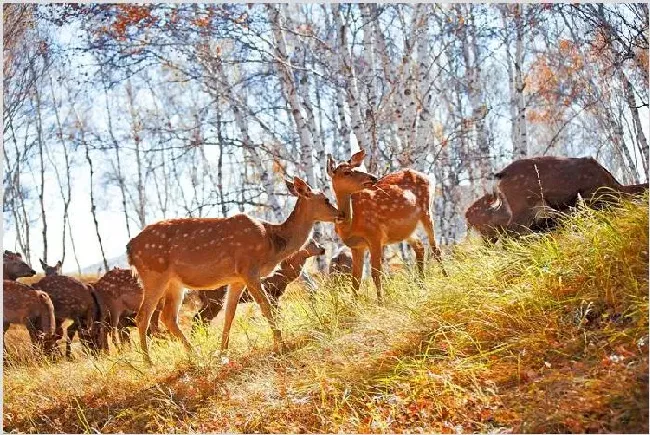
(14, 267)
(341, 263)
(379, 213)
(206, 253)
(32, 308)
(274, 285)
(72, 299)
(490, 216)
(531, 185)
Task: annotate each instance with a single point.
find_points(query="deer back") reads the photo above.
(71, 298)
(389, 210)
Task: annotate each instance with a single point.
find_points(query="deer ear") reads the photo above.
(58, 265)
(330, 165)
(357, 159)
(290, 187)
(301, 188)
(43, 265)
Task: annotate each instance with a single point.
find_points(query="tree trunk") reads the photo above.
(520, 149)
(350, 84)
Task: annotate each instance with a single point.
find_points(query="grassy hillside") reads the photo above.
(546, 334)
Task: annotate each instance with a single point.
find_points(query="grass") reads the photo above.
(547, 333)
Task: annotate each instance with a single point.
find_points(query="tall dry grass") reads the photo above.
(548, 333)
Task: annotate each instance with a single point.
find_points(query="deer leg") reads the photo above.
(123, 330)
(173, 301)
(232, 299)
(418, 247)
(376, 254)
(155, 324)
(427, 223)
(254, 285)
(153, 291)
(71, 331)
(115, 321)
(357, 268)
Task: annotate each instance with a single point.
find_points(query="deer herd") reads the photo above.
(222, 257)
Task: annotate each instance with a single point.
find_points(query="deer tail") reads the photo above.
(129, 258)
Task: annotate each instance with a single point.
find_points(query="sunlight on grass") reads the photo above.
(547, 333)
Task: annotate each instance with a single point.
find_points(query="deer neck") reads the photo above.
(8, 273)
(290, 235)
(344, 202)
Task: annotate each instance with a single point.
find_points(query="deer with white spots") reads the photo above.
(120, 295)
(14, 267)
(32, 308)
(75, 300)
(274, 285)
(379, 213)
(51, 270)
(205, 253)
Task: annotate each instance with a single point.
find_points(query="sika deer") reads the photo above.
(274, 285)
(490, 216)
(379, 213)
(206, 253)
(341, 263)
(14, 267)
(538, 182)
(32, 308)
(51, 270)
(118, 293)
(72, 299)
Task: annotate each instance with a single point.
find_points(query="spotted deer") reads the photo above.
(51, 270)
(274, 285)
(74, 300)
(119, 294)
(205, 253)
(14, 267)
(379, 213)
(529, 186)
(32, 308)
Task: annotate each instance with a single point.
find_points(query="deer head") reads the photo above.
(14, 266)
(314, 249)
(346, 178)
(51, 270)
(318, 204)
(489, 211)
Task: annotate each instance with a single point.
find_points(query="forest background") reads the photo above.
(119, 115)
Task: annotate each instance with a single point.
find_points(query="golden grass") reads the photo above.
(543, 334)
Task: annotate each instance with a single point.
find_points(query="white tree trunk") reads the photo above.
(285, 70)
(521, 146)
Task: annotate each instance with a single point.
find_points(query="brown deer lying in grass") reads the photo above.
(341, 263)
(206, 253)
(528, 188)
(72, 299)
(274, 285)
(14, 267)
(379, 213)
(32, 308)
